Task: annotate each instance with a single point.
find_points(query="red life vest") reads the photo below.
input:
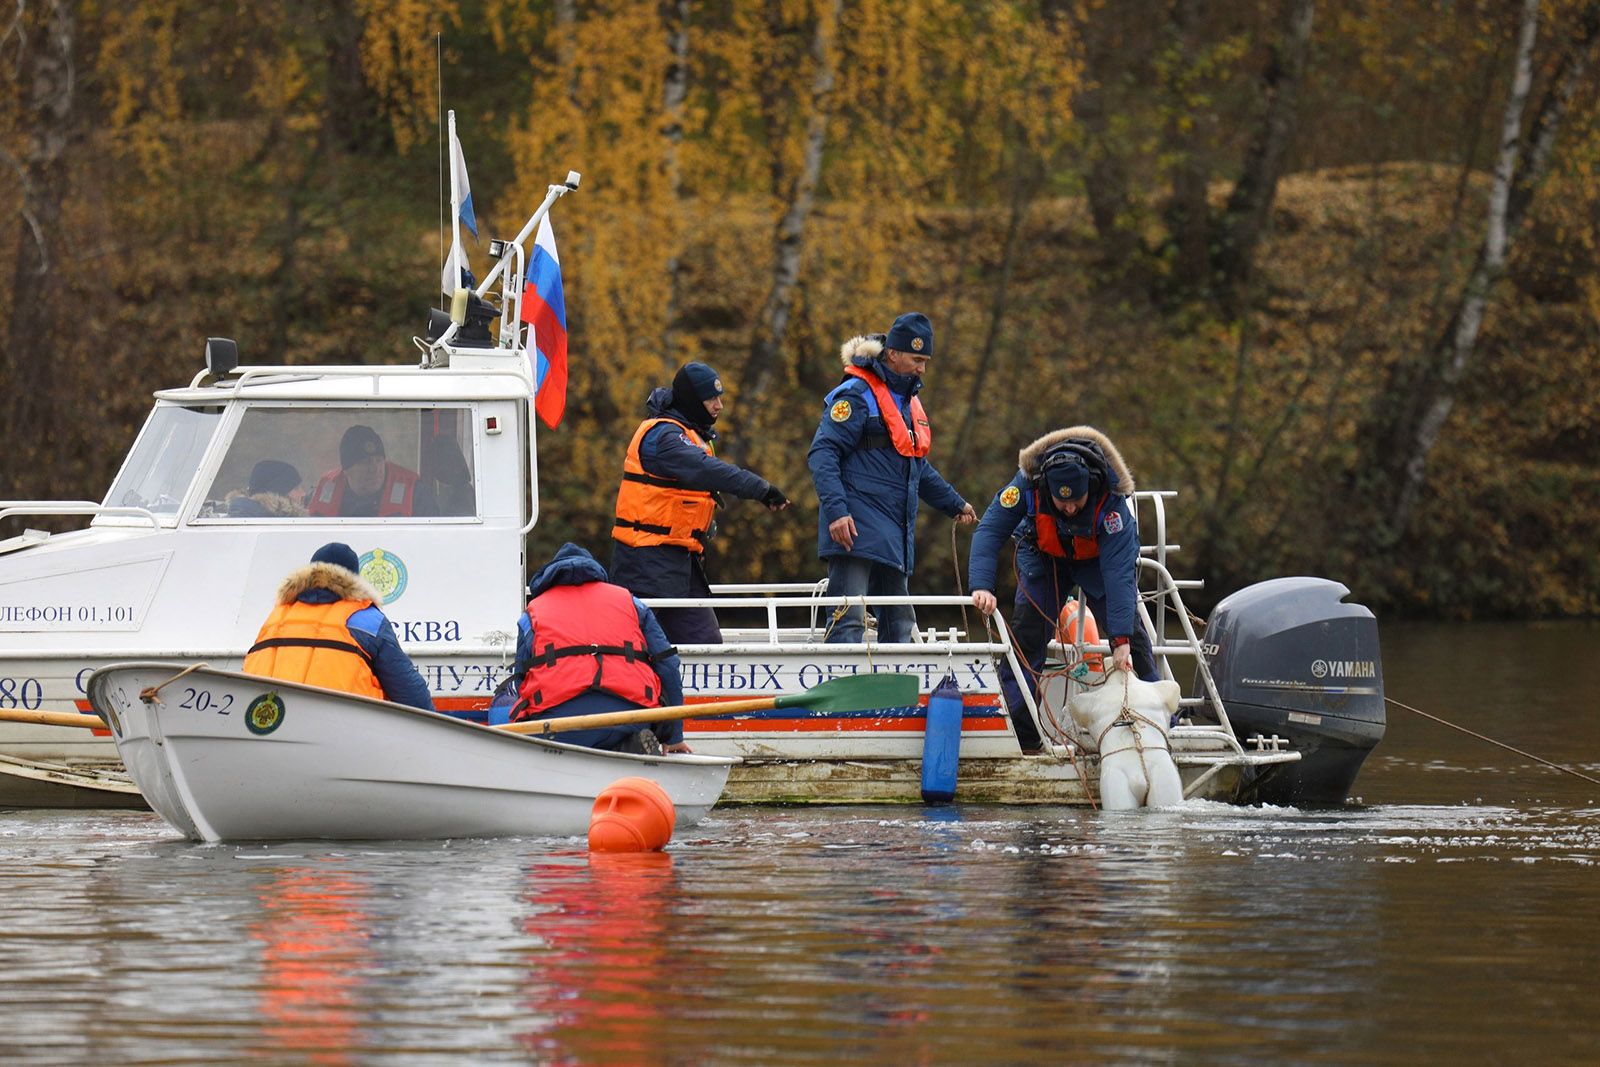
(1049, 541)
(312, 643)
(652, 510)
(399, 489)
(912, 442)
(586, 639)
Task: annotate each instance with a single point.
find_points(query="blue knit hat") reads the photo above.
(338, 554)
(911, 332)
(692, 386)
(1067, 481)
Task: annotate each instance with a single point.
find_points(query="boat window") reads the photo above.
(332, 462)
(163, 462)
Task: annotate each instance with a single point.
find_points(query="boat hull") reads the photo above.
(224, 756)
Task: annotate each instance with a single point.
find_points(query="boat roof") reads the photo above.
(493, 375)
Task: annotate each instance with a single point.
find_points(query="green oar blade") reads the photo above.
(856, 692)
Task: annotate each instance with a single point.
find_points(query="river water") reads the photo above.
(1449, 915)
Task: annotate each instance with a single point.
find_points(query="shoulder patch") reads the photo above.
(840, 412)
(1113, 521)
(1009, 496)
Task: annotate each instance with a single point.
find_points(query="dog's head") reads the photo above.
(1096, 708)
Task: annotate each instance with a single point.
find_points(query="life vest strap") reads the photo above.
(645, 527)
(651, 479)
(314, 642)
(629, 652)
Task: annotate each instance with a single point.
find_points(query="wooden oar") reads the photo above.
(854, 692)
(53, 718)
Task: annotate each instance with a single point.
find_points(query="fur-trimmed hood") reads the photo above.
(1028, 458)
(263, 505)
(336, 580)
(861, 351)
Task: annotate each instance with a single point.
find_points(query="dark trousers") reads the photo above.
(1044, 585)
(689, 626)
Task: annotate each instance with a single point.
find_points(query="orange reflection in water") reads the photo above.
(602, 986)
(314, 937)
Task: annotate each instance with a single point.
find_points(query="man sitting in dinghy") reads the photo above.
(326, 631)
(368, 484)
(586, 646)
(1070, 510)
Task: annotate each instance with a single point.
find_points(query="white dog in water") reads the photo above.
(1128, 718)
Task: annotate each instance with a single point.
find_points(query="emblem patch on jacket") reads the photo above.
(1009, 496)
(1113, 522)
(840, 412)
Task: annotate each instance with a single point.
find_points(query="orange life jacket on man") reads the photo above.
(1049, 541)
(912, 442)
(586, 638)
(652, 510)
(399, 490)
(312, 643)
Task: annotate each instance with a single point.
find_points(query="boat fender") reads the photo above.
(631, 815)
(941, 743)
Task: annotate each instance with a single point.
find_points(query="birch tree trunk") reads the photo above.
(789, 236)
(675, 90)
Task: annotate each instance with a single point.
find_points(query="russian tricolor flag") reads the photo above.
(545, 308)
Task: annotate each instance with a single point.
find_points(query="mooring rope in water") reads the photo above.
(1492, 741)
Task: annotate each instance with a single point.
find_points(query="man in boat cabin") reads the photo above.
(327, 631)
(869, 464)
(672, 482)
(268, 492)
(586, 646)
(1070, 511)
(368, 484)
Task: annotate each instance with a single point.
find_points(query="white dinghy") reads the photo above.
(224, 756)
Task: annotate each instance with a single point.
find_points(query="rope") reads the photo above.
(149, 693)
(1492, 741)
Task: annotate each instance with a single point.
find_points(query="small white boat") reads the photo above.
(225, 756)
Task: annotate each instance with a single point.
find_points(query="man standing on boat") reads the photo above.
(586, 646)
(367, 484)
(326, 630)
(671, 486)
(1070, 510)
(869, 464)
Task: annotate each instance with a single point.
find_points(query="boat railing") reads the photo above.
(40, 508)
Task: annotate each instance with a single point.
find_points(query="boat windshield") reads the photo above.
(326, 462)
(163, 462)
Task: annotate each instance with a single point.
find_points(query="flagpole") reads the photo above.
(556, 192)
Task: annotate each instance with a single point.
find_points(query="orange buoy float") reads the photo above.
(1067, 630)
(631, 815)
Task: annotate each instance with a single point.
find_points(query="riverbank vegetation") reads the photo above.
(1328, 270)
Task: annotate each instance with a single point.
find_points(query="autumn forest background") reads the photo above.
(1327, 269)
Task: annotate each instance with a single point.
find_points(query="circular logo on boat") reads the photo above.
(1319, 668)
(265, 713)
(386, 572)
(1009, 496)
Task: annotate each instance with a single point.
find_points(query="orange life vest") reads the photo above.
(312, 643)
(652, 510)
(913, 441)
(586, 638)
(1044, 527)
(395, 498)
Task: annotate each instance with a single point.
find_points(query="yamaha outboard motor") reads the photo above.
(1290, 658)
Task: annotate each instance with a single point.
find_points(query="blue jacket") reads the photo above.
(671, 570)
(401, 681)
(876, 486)
(1113, 574)
(573, 565)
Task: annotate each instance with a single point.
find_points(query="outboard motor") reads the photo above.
(1290, 658)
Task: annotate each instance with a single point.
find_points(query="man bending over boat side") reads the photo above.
(586, 646)
(327, 631)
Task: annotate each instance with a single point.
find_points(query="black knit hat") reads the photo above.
(692, 386)
(357, 444)
(339, 554)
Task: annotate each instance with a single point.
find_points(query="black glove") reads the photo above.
(774, 498)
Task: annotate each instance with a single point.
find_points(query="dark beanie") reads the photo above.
(357, 444)
(911, 332)
(273, 476)
(339, 554)
(1067, 481)
(692, 386)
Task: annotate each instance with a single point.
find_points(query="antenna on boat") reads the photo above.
(438, 73)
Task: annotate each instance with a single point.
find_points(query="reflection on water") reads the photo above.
(1450, 916)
